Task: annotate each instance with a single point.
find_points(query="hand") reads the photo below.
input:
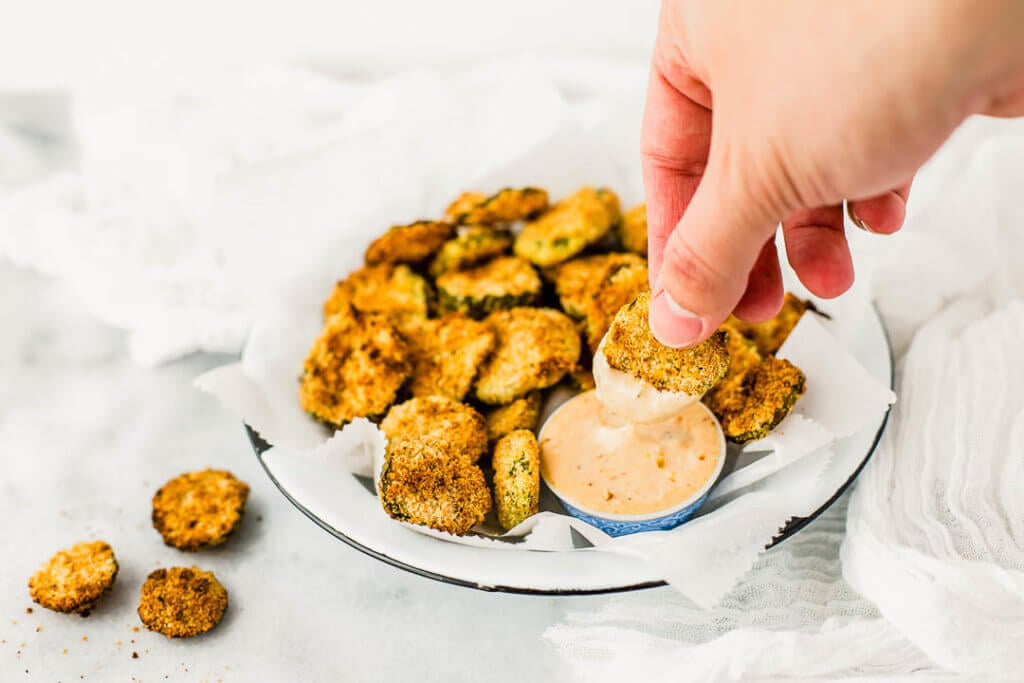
(759, 113)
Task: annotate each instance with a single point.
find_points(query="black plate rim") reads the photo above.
(793, 526)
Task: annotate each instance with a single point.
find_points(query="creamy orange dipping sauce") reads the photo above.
(603, 464)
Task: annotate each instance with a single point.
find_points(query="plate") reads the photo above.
(576, 572)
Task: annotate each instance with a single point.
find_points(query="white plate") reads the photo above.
(362, 526)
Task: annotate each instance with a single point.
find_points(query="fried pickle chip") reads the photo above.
(446, 354)
(355, 369)
(768, 394)
(395, 291)
(504, 206)
(522, 413)
(633, 230)
(516, 477)
(505, 282)
(421, 484)
(729, 396)
(770, 334)
(413, 243)
(472, 246)
(181, 602)
(621, 286)
(535, 348)
(577, 281)
(454, 428)
(569, 227)
(74, 579)
(199, 509)
(631, 347)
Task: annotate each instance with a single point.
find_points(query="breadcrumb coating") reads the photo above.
(770, 334)
(413, 243)
(181, 602)
(74, 579)
(471, 247)
(504, 206)
(535, 348)
(578, 280)
(454, 428)
(516, 477)
(522, 413)
(421, 484)
(395, 291)
(769, 393)
(633, 230)
(631, 347)
(199, 509)
(569, 227)
(355, 369)
(621, 286)
(446, 354)
(505, 282)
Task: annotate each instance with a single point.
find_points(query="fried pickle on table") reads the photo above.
(534, 350)
(577, 281)
(181, 602)
(569, 227)
(413, 243)
(630, 347)
(455, 428)
(422, 484)
(516, 464)
(767, 394)
(770, 334)
(75, 579)
(199, 509)
(504, 206)
(355, 369)
(446, 354)
(505, 282)
(395, 291)
(472, 246)
(522, 413)
(633, 230)
(621, 286)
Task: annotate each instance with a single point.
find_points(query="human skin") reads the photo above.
(761, 113)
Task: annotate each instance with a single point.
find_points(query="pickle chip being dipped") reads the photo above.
(643, 380)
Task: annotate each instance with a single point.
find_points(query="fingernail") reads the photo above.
(856, 219)
(672, 324)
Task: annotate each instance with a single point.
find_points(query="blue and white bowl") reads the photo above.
(620, 525)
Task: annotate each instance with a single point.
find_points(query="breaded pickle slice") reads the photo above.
(395, 291)
(504, 206)
(577, 281)
(75, 579)
(729, 395)
(621, 286)
(569, 227)
(516, 477)
(534, 350)
(505, 282)
(455, 428)
(631, 347)
(413, 243)
(421, 484)
(633, 230)
(769, 393)
(355, 369)
(522, 413)
(181, 602)
(472, 246)
(446, 354)
(199, 509)
(770, 334)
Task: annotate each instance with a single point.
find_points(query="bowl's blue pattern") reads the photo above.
(614, 527)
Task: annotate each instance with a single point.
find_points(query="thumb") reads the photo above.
(709, 256)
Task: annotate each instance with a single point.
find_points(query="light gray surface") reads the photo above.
(85, 440)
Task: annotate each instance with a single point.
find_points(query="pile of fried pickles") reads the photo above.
(452, 331)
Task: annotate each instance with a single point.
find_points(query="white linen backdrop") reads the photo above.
(167, 227)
